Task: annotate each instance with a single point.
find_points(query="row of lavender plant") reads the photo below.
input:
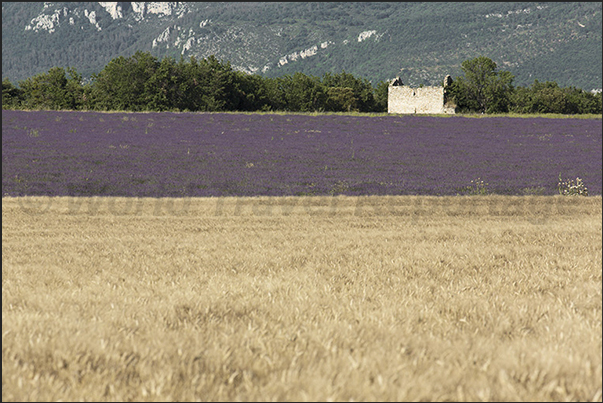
(59, 153)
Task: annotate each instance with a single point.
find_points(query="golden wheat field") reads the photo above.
(389, 298)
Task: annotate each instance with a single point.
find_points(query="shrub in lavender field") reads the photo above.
(477, 187)
(570, 187)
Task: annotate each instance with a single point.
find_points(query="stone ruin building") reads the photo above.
(404, 99)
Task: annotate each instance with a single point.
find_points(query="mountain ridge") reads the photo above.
(420, 42)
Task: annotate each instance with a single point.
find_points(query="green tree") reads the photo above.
(11, 95)
(222, 91)
(483, 89)
(207, 85)
(362, 91)
(126, 83)
(540, 97)
(191, 87)
(296, 93)
(580, 101)
(548, 97)
(53, 90)
(165, 81)
(341, 99)
(252, 93)
(275, 92)
(381, 93)
(498, 93)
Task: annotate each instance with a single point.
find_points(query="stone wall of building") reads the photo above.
(404, 99)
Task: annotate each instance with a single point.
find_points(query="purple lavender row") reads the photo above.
(60, 153)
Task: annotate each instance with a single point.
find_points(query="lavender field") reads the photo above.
(61, 153)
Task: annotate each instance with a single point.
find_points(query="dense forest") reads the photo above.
(419, 41)
(142, 82)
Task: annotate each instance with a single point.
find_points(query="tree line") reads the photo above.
(485, 89)
(144, 83)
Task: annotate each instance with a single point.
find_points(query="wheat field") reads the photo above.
(401, 298)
